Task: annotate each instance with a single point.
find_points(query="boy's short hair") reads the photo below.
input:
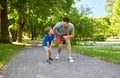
(47, 29)
(66, 20)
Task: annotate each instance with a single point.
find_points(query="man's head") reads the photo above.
(48, 30)
(65, 22)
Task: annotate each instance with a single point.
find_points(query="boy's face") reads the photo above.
(51, 31)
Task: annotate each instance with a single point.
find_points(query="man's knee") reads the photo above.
(68, 42)
(60, 46)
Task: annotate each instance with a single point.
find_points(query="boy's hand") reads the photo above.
(49, 49)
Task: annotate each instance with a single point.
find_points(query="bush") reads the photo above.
(100, 38)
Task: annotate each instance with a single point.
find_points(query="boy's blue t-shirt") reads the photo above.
(47, 38)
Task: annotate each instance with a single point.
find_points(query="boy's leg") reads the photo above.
(48, 53)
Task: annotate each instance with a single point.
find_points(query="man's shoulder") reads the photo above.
(58, 24)
(71, 25)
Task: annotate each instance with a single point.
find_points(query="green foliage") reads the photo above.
(112, 7)
(30, 11)
(100, 38)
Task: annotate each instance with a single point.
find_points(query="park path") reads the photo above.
(30, 63)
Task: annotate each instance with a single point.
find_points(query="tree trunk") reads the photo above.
(21, 23)
(0, 22)
(4, 24)
(28, 35)
(14, 34)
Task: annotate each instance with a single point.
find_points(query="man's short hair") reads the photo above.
(66, 20)
(47, 29)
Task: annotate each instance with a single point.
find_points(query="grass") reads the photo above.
(7, 52)
(107, 52)
(112, 40)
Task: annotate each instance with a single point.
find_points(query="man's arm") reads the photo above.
(71, 35)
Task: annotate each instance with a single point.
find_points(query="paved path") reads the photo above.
(30, 63)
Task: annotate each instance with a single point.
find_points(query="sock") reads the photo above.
(58, 54)
(70, 57)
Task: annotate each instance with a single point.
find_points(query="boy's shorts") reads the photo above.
(59, 38)
(46, 48)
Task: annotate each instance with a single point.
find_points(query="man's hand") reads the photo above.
(65, 37)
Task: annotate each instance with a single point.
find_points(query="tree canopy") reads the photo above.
(19, 18)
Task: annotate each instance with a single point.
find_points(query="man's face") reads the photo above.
(65, 24)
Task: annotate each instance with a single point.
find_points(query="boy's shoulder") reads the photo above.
(46, 35)
(52, 35)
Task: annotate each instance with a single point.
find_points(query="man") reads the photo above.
(64, 30)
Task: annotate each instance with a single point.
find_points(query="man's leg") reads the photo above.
(69, 49)
(59, 50)
(68, 46)
(59, 41)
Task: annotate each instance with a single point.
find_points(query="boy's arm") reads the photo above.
(49, 46)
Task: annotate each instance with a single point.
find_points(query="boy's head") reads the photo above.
(48, 30)
(65, 22)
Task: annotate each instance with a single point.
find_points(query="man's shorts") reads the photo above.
(59, 38)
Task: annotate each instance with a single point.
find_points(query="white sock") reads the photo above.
(70, 58)
(58, 54)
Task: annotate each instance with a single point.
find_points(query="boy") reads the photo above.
(47, 43)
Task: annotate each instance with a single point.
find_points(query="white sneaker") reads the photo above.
(57, 57)
(71, 60)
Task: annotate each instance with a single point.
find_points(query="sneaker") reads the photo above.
(48, 61)
(71, 60)
(57, 57)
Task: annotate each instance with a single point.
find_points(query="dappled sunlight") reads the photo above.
(1, 65)
(18, 43)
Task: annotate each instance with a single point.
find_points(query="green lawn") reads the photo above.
(109, 52)
(7, 52)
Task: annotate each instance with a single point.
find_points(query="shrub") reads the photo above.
(100, 38)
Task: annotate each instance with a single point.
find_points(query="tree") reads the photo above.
(39, 9)
(113, 10)
(4, 23)
(116, 17)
